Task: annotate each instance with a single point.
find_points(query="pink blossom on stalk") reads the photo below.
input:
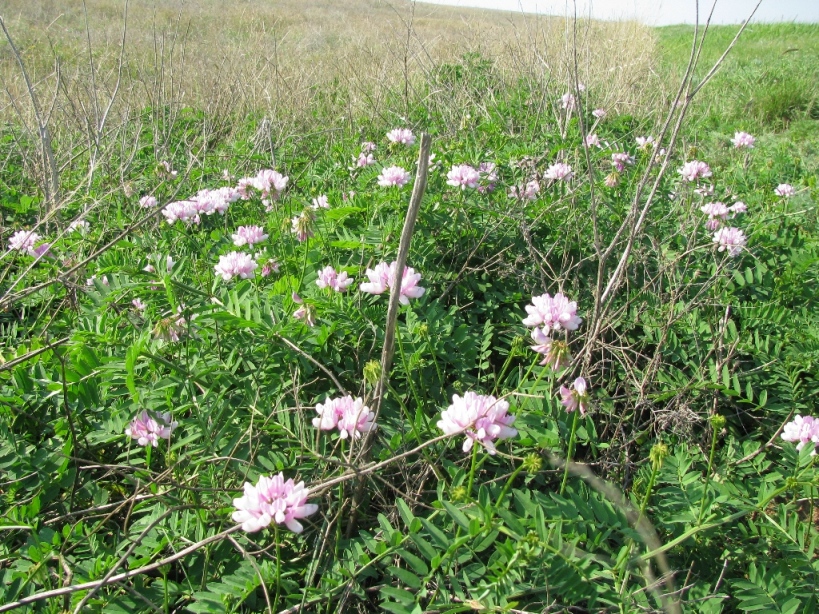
(555, 352)
(463, 176)
(401, 135)
(184, 210)
(646, 142)
(41, 250)
(803, 430)
(383, 277)
(695, 170)
(364, 159)
(785, 189)
(552, 313)
(599, 113)
(527, 192)
(738, 207)
(717, 213)
(301, 226)
(148, 202)
(393, 176)
(306, 313)
(743, 140)
(558, 172)
(368, 147)
(575, 398)
(138, 304)
(612, 179)
(488, 175)
(320, 202)
(350, 416)
(23, 240)
(273, 500)
(731, 239)
(592, 140)
(248, 235)
(269, 267)
(235, 264)
(329, 278)
(80, 226)
(148, 429)
(568, 102)
(620, 159)
(482, 418)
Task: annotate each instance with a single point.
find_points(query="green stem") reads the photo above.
(507, 486)
(472, 469)
(655, 467)
(278, 565)
(708, 475)
(570, 452)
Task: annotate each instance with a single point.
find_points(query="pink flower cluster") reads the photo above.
(401, 135)
(302, 226)
(382, 277)
(576, 397)
(646, 142)
(527, 192)
(717, 213)
(350, 416)
(463, 176)
(695, 170)
(802, 430)
(547, 314)
(206, 202)
(489, 175)
(568, 101)
(248, 235)
(743, 140)
(236, 264)
(592, 140)
(148, 202)
(393, 176)
(784, 189)
(620, 159)
(25, 241)
(482, 418)
(273, 500)
(731, 239)
(269, 183)
(148, 429)
(558, 172)
(329, 278)
(320, 202)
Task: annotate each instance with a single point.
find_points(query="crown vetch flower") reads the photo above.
(592, 140)
(552, 313)
(368, 146)
(273, 499)
(329, 278)
(599, 113)
(306, 313)
(731, 239)
(235, 264)
(350, 416)
(248, 235)
(148, 202)
(620, 159)
(23, 240)
(738, 207)
(320, 202)
(527, 192)
(364, 159)
(401, 135)
(393, 176)
(148, 429)
(802, 430)
(463, 176)
(482, 418)
(488, 176)
(694, 170)
(743, 140)
(717, 212)
(301, 226)
(80, 226)
(555, 352)
(575, 398)
(785, 189)
(184, 210)
(568, 102)
(558, 172)
(41, 250)
(646, 142)
(383, 277)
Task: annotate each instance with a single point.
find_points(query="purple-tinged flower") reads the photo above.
(575, 398)
(489, 175)
(23, 240)
(320, 202)
(273, 500)
(368, 147)
(612, 180)
(802, 430)
(463, 176)
(236, 264)
(103, 280)
(350, 416)
(383, 277)
(552, 313)
(363, 160)
(148, 202)
(165, 168)
(568, 102)
(401, 135)
(599, 113)
(393, 176)
(743, 140)
(620, 159)
(704, 190)
(527, 192)
(731, 239)
(695, 170)
(271, 266)
(302, 226)
(717, 213)
(248, 235)
(306, 313)
(329, 278)
(184, 210)
(482, 418)
(138, 304)
(738, 207)
(785, 189)
(558, 172)
(592, 140)
(80, 226)
(41, 250)
(148, 429)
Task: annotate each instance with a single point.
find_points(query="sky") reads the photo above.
(657, 12)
